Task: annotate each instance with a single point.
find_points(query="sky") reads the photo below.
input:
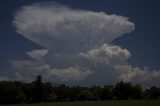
(80, 42)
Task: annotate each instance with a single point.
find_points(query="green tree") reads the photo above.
(60, 92)
(123, 90)
(21, 97)
(84, 95)
(38, 89)
(107, 93)
(137, 92)
(48, 92)
(51, 97)
(154, 93)
(8, 92)
(96, 92)
(28, 89)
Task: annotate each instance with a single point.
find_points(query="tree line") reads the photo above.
(12, 92)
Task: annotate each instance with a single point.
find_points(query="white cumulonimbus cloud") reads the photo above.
(78, 44)
(67, 30)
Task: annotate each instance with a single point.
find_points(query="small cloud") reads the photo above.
(37, 54)
(4, 78)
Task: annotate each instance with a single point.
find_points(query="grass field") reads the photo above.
(99, 103)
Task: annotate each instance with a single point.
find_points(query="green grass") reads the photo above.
(99, 103)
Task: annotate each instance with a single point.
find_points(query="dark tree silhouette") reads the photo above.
(123, 90)
(38, 89)
(154, 92)
(137, 92)
(84, 95)
(107, 93)
(18, 92)
(21, 97)
(96, 92)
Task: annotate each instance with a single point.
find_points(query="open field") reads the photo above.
(99, 103)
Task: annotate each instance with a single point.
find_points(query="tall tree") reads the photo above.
(123, 90)
(38, 89)
(137, 92)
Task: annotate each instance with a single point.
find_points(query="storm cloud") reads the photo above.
(78, 45)
(67, 30)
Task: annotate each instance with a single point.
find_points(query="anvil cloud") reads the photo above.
(78, 45)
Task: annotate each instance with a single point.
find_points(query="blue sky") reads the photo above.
(142, 42)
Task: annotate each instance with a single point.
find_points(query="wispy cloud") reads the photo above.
(26, 70)
(4, 78)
